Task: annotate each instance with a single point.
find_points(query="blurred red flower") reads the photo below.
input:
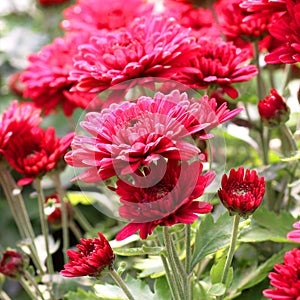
(93, 256)
(46, 79)
(152, 47)
(241, 192)
(286, 278)
(18, 119)
(218, 63)
(92, 15)
(36, 152)
(12, 264)
(273, 110)
(163, 197)
(286, 30)
(51, 2)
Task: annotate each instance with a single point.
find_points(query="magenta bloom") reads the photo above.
(92, 15)
(37, 152)
(287, 31)
(273, 110)
(152, 47)
(17, 120)
(13, 264)
(285, 279)
(164, 197)
(129, 135)
(218, 63)
(294, 235)
(93, 256)
(241, 192)
(46, 78)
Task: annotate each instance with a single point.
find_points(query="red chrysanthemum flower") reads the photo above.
(36, 152)
(218, 63)
(17, 120)
(273, 110)
(167, 199)
(241, 192)
(92, 15)
(53, 210)
(13, 264)
(294, 235)
(152, 47)
(46, 78)
(286, 279)
(93, 256)
(233, 25)
(287, 31)
(133, 134)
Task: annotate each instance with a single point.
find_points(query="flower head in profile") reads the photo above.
(131, 135)
(273, 110)
(36, 153)
(286, 30)
(285, 279)
(164, 197)
(294, 235)
(218, 63)
(94, 15)
(13, 264)
(18, 119)
(93, 256)
(156, 46)
(242, 191)
(46, 78)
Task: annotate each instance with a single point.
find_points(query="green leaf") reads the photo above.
(217, 289)
(210, 236)
(139, 251)
(80, 294)
(161, 288)
(151, 266)
(109, 291)
(266, 225)
(229, 277)
(217, 271)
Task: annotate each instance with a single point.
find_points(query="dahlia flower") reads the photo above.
(13, 264)
(241, 192)
(93, 256)
(285, 279)
(287, 31)
(218, 63)
(36, 152)
(17, 120)
(130, 135)
(156, 46)
(273, 110)
(294, 235)
(92, 15)
(46, 78)
(167, 199)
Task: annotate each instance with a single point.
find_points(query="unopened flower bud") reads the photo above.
(13, 264)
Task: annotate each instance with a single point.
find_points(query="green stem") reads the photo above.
(288, 136)
(4, 296)
(188, 259)
(172, 262)
(231, 250)
(259, 79)
(118, 279)
(64, 215)
(81, 219)
(43, 221)
(75, 230)
(28, 276)
(286, 78)
(27, 288)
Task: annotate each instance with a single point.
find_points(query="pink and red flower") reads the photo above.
(294, 235)
(241, 192)
(93, 256)
(287, 31)
(13, 264)
(285, 279)
(156, 46)
(17, 120)
(46, 78)
(218, 63)
(164, 197)
(36, 152)
(130, 135)
(273, 110)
